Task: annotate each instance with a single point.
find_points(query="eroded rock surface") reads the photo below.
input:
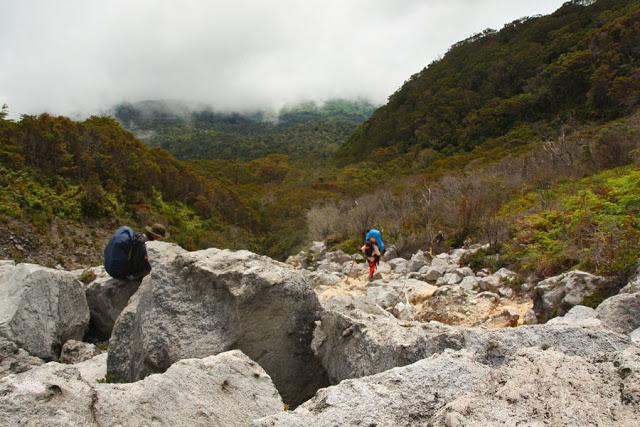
(228, 389)
(357, 344)
(41, 308)
(551, 388)
(620, 312)
(14, 360)
(556, 295)
(107, 297)
(77, 351)
(533, 387)
(406, 396)
(206, 302)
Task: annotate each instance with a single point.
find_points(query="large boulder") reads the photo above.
(399, 265)
(357, 344)
(620, 312)
(418, 260)
(14, 360)
(107, 297)
(533, 387)
(406, 396)
(549, 388)
(41, 308)
(206, 302)
(227, 389)
(556, 295)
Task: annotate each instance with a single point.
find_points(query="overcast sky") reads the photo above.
(82, 56)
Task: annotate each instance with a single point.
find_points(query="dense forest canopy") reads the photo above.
(306, 130)
(578, 65)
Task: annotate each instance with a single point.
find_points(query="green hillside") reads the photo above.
(527, 139)
(306, 130)
(578, 65)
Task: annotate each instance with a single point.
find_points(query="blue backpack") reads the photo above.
(378, 235)
(117, 254)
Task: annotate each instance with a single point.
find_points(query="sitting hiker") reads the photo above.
(125, 256)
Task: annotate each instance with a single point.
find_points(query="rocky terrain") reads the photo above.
(219, 337)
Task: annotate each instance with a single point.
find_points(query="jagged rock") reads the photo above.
(406, 396)
(506, 276)
(465, 272)
(556, 295)
(77, 351)
(14, 360)
(329, 267)
(578, 316)
(418, 260)
(358, 344)
(527, 390)
(635, 337)
(490, 283)
(399, 265)
(339, 257)
(483, 273)
(449, 279)
(210, 301)
(505, 291)
(93, 369)
(354, 269)
(404, 311)
(228, 389)
(323, 279)
(383, 295)
(620, 312)
(530, 317)
(391, 252)
(107, 297)
(418, 291)
(41, 308)
(432, 274)
(441, 262)
(469, 283)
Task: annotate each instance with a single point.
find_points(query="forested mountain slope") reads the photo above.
(580, 64)
(307, 130)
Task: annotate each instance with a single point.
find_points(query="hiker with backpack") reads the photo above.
(125, 256)
(373, 248)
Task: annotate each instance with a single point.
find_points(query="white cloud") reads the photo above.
(81, 56)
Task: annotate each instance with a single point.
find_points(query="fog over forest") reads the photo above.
(78, 57)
